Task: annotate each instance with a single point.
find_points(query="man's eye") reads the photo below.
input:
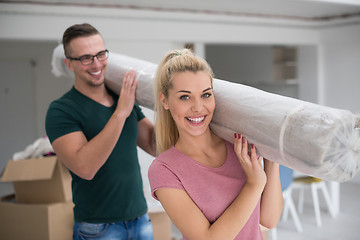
(101, 54)
(184, 97)
(86, 58)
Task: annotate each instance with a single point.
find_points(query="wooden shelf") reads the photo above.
(284, 63)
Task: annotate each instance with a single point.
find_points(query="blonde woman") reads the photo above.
(210, 188)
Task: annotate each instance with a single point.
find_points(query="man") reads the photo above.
(95, 135)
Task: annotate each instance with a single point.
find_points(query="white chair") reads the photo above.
(289, 206)
(286, 178)
(314, 184)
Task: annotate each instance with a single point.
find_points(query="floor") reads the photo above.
(345, 226)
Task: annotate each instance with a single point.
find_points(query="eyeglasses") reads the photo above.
(89, 59)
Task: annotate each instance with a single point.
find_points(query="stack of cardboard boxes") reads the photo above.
(42, 207)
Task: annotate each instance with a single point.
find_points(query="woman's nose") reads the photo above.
(196, 105)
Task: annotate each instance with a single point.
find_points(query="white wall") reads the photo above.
(308, 73)
(45, 85)
(241, 63)
(248, 64)
(341, 56)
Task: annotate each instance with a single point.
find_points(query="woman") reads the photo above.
(210, 188)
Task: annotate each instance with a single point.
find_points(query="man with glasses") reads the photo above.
(95, 134)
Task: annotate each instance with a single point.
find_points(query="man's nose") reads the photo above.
(96, 62)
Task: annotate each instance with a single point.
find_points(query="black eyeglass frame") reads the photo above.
(84, 57)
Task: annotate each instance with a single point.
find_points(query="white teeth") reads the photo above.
(196, 120)
(95, 73)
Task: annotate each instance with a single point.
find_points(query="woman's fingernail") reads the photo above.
(244, 140)
(252, 145)
(235, 135)
(239, 135)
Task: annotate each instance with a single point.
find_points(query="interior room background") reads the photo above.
(324, 63)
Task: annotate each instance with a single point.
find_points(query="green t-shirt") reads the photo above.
(116, 192)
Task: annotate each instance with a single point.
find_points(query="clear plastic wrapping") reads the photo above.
(320, 141)
(317, 140)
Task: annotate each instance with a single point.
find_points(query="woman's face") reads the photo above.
(191, 102)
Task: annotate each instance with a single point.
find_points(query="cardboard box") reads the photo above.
(35, 221)
(161, 225)
(39, 180)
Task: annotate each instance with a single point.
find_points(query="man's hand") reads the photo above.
(127, 94)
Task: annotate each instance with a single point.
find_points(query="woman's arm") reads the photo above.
(272, 199)
(192, 223)
(189, 219)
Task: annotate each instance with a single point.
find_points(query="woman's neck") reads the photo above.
(204, 148)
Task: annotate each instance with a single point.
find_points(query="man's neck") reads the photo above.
(99, 93)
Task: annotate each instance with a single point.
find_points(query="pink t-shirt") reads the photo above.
(212, 189)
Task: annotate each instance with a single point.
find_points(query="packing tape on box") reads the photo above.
(316, 140)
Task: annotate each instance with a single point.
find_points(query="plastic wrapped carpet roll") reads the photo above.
(320, 141)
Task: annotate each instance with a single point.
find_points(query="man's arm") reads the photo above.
(146, 136)
(85, 158)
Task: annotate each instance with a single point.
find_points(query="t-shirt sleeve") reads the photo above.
(161, 176)
(59, 123)
(139, 113)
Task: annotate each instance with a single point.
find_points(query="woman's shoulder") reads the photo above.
(170, 159)
(164, 167)
(166, 157)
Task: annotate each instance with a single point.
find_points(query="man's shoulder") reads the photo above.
(68, 98)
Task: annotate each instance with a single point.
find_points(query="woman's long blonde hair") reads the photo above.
(175, 61)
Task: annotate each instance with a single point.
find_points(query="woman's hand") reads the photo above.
(250, 162)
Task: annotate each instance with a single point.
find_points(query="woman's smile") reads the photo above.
(196, 120)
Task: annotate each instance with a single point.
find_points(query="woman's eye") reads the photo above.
(207, 95)
(184, 97)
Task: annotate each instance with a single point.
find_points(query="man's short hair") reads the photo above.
(75, 31)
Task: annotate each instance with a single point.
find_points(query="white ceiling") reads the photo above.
(308, 10)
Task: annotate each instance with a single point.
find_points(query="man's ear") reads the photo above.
(68, 64)
(164, 101)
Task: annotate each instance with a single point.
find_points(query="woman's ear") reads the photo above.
(164, 101)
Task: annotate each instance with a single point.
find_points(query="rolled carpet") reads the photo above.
(317, 140)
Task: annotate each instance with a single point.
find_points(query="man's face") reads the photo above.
(94, 73)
